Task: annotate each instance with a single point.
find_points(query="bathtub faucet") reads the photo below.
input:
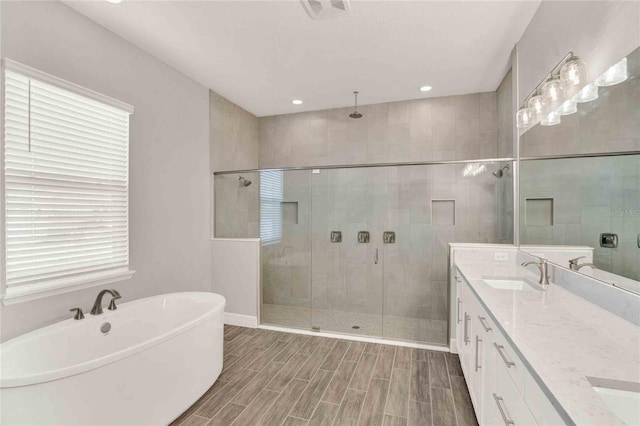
(97, 305)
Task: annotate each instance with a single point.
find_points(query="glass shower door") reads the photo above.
(285, 224)
(347, 266)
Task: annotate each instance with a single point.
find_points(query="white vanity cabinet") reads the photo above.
(502, 390)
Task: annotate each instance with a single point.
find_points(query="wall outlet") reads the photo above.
(502, 256)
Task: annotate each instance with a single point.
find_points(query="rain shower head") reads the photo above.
(355, 113)
(244, 182)
(499, 173)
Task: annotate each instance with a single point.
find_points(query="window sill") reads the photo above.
(31, 292)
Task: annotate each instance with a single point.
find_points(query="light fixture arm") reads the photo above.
(555, 71)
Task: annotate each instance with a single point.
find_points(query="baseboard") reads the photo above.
(453, 347)
(240, 320)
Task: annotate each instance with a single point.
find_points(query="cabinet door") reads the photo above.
(511, 409)
(487, 363)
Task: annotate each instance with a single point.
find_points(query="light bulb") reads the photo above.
(296, 102)
(587, 94)
(524, 118)
(550, 119)
(568, 107)
(614, 75)
(574, 75)
(553, 90)
(538, 107)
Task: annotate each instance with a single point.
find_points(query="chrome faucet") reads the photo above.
(543, 267)
(575, 266)
(97, 305)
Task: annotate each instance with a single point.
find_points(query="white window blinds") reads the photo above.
(66, 159)
(271, 206)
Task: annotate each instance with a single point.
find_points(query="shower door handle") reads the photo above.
(375, 256)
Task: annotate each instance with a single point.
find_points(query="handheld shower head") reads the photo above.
(244, 182)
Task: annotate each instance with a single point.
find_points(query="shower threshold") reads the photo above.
(403, 331)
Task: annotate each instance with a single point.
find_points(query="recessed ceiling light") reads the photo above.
(296, 102)
(425, 88)
(115, 1)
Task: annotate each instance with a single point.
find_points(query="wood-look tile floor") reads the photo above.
(275, 378)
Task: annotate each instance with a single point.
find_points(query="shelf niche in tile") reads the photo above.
(290, 212)
(443, 212)
(539, 211)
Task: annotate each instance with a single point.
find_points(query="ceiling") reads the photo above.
(263, 54)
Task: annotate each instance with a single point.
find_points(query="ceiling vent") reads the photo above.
(321, 9)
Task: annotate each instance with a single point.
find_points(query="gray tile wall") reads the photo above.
(237, 207)
(591, 196)
(233, 134)
(446, 128)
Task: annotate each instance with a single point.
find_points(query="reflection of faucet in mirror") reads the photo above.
(575, 266)
(543, 267)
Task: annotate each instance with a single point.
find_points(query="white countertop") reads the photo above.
(564, 339)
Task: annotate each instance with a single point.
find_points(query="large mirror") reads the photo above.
(587, 195)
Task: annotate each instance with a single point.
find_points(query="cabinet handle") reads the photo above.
(506, 360)
(478, 340)
(484, 323)
(503, 410)
(466, 328)
(459, 302)
(375, 257)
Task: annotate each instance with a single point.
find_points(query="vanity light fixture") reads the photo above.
(574, 75)
(553, 91)
(296, 102)
(538, 107)
(426, 88)
(551, 119)
(568, 107)
(524, 118)
(587, 94)
(556, 94)
(614, 75)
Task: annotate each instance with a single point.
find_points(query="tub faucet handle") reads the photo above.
(79, 315)
(112, 304)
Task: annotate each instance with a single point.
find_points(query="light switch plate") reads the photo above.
(501, 256)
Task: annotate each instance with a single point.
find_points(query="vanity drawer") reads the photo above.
(506, 357)
(510, 407)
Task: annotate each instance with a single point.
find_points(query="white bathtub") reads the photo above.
(161, 354)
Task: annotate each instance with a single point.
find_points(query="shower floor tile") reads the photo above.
(347, 383)
(391, 327)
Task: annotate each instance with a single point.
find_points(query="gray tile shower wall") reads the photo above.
(596, 195)
(237, 207)
(445, 128)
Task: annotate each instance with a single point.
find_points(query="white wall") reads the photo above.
(169, 154)
(600, 32)
(235, 271)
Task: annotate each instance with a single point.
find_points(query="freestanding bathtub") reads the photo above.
(160, 355)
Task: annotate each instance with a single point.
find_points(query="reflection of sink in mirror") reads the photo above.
(509, 284)
(616, 280)
(622, 398)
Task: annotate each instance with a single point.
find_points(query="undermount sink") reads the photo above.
(509, 284)
(622, 398)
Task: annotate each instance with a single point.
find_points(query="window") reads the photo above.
(66, 180)
(271, 206)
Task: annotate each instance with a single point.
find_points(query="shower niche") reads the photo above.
(320, 272)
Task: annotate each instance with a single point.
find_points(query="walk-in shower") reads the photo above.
(363, 250)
